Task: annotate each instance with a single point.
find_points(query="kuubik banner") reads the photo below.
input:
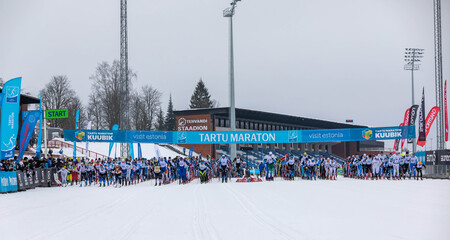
(405, 123)
(422, 136)
(412, 118)
(111, 144)
(446, 111)
(227, 137)
(10, 117)
(39, 141)
(428, 122)
(27, 130)
(77, 116)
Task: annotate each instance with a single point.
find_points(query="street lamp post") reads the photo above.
(412, 57)
(229, 12)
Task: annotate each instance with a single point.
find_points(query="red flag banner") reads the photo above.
(396, 142)
(405, 123)
(428, 122)
(446, 111)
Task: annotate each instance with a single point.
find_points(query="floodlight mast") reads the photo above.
(229, 12)
(412, 58)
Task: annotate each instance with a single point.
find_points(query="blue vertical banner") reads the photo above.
(111, 144)
(191, 150)
(39, 141)
(131, 155)
(76, 127)
(139, 151)
(27, 130)
(1, 99)
(10, 117)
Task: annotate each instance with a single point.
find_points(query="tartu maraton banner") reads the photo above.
(204, 137)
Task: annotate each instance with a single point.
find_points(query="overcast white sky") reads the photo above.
(327, 59)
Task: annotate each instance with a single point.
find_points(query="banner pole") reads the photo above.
(45, 133)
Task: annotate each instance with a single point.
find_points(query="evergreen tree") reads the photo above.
(201, 97)
(159, 125)
(170, 121)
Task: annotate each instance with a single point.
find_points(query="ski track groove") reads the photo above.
(131, 226)
(202, 222)
(83, 215)
(257, 215)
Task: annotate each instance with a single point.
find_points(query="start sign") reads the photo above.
(57, 113)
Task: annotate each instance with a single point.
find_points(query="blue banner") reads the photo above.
(27, 130)
(139, 151)
(8, 181)
(10, 117)
(1, 99)
(191, 150)
(39, 141)
(297, 136)
(131, 151)
(77, 116)
(111, 144)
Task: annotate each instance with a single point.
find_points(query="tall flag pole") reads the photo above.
(75, 142)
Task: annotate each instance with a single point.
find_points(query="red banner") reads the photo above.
(445, 111)
(396, 142)
(428, 122)
(405, 123)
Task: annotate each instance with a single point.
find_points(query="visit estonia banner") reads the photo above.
(204, 137)
(10, 117)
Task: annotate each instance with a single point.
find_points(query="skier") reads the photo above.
(396, 161)
(118, 176)
(157, 171)
(419, 167)
(291, 167)
(63, 171)
(270, 166)
(224, 168)
(203, 171)
(412, 166)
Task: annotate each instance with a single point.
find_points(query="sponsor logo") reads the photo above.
(292, 136)
(12, 94)
(182, 122)
(80, 135)
(432, 116)
(181, 137)
(367, 134)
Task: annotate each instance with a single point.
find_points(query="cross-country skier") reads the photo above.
(223, 161)
(270, 159)
(412, 166)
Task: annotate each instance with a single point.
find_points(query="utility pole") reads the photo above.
(413, 56)
(229, 12)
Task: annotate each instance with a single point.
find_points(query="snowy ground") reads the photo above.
(343, 209)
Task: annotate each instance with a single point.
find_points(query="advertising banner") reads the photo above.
(412, 118)
(422, 136)
(428, 122)
(438, 157)
(222, 137)
(405, 123)
(77, 116)
(27, 130)
(10, 117)
(111, 144)
(8, 181)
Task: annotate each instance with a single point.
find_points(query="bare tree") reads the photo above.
(75, 105)
(137, 112)
(152, 103)
(95, 113)
(58, 94)
(1, 82)
(106, 86)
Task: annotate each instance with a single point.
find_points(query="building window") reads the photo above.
(227, 123)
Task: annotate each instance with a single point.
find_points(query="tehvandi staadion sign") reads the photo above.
(193, 123)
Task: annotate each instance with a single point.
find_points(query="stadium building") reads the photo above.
(217, 119)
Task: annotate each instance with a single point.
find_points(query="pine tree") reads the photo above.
(201, 97)
(170, 121)
(159, 125)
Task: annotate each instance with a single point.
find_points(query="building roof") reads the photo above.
(27, 99)
(269, 117)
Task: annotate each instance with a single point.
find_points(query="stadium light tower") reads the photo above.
(229, 12)
(413, 56)
(124, 81)
(440, 124)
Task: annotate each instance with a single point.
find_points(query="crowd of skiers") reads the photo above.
(124, 172)
(395, 166)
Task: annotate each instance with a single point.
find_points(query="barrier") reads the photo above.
(8, 182)
(39, 177)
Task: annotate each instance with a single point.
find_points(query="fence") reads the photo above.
(437, 171)
(60, 144)
(23, 180)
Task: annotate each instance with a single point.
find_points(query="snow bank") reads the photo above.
(343, 209)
